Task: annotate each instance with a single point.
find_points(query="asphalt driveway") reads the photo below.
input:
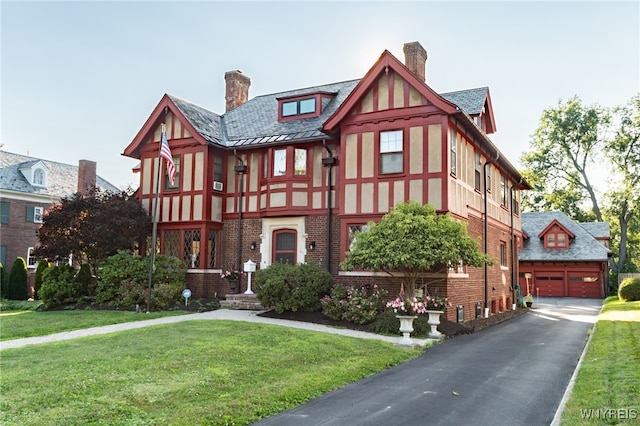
(514, 373)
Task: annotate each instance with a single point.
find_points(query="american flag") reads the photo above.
(165, 152)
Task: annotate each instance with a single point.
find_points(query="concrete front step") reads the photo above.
(243, 301)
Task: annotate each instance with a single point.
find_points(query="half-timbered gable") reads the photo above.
(293, 175)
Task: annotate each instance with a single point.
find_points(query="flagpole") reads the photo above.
(154, 234)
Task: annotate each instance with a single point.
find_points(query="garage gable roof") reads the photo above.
(584, 247)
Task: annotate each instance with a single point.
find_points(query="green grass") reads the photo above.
(19, 324)
(608, 381)
(188, 373)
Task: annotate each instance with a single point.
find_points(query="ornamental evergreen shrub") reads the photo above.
(59, 286)
(37, 284)
(629, 290)
(85, 280)
(18, 280)
(288, 287)
(4, 282)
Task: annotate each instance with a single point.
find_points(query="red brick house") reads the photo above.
(560, 257)
(292, 175)
(28, 187)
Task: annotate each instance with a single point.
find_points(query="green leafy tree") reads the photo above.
(18, 280)
(412, 239)
(564, 148)
(92, 227)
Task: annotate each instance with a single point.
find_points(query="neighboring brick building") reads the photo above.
(28, 187)
(560, 257)
(291, 176)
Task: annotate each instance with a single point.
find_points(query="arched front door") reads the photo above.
(284, 246)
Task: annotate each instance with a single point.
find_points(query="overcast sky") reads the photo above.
(79, 79)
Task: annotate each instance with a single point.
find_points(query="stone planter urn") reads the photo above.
(434, 321)
(406, 327)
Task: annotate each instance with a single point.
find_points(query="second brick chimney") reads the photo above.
(86, 176)
(415, 58)
(237, 89)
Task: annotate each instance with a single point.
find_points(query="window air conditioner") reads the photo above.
(217, 186)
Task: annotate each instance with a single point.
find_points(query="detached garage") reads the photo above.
(559, 257)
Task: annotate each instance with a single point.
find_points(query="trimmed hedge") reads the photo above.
(629, 290)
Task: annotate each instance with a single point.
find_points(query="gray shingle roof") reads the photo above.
(584, 247)
(470, 101)
(597, 229)
(256, 121)
(62, 179)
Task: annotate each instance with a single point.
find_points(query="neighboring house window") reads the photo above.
(65, 261)
(32, 262)
(300, 166)
(504, 188)
(217, 168)
(176, 180)
(503, 254)
(391, 152)
(353, 229)
(3, 255)
(515, 203)
(213, 249)
(453, 156)
(38, 177)
(556, 240)
(4, 213)
(280, 162)
(478, 166)
(284, 249)
(34, 214)
(459, 267)
(299, 107)
(192, 249)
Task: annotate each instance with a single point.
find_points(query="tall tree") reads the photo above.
(92, 227)
(566, 145)
(412, 239)
(623, 150)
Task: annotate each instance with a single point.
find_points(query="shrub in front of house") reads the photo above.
(4, 282)
(286, 287)
(360, 305)
(37, 283)
(387, 323)
(629, 290)
(124, 281)
(18, 280)
(59, 286)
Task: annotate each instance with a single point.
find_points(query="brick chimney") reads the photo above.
(86, 176)
(415, 58)
(237, 89)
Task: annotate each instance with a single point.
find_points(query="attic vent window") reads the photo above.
(299, 107)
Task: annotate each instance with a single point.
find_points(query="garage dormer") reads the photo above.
(302, 106)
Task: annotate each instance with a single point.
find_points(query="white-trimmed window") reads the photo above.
(391, 156)
(478, 173)
(503, 254)
(32, 262)
(453, 158)
(39, 177)
(35, 214)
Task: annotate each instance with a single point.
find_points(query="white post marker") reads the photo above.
(186, 293)
(249, 268)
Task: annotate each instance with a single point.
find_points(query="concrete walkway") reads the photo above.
(220, 314)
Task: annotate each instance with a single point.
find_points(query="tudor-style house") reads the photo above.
(559, 257)
(292, 175)
(28, 187)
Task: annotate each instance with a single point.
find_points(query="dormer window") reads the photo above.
(38, 177)
(299, 107)
(35, 172)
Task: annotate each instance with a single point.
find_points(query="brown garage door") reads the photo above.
(549, 283)
(585, 284)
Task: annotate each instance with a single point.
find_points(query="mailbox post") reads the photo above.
(249, 268)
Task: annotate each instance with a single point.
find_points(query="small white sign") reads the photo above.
(186, 293)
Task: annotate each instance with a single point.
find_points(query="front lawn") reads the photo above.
(188, 373)
(19, 324)
(608, 382)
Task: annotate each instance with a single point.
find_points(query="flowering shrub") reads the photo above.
(232, 274)
(353, 304)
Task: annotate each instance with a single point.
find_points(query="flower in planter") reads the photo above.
(436, 303)
(408, 306)
(232, 274)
